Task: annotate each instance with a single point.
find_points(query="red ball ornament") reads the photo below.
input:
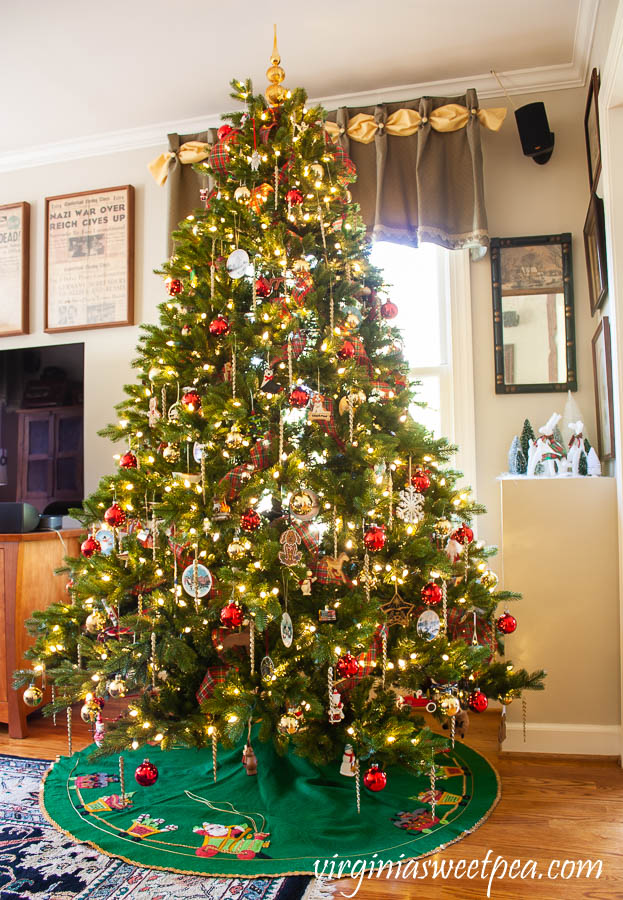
(90, 546)
(263, 286)
(191, 400)
(506, 623)
(374, 538)
(478, 701)
(389, 310)
(146, 774)
(219, 326)
(374, 779)
(128, 461)
(347, 666)
(463, 535)
(115, 516)
(174, 287)
(431, 594)
(294, 197)
(232, 615)
(299, 397)
(250, 520)
(420, 480)
(223, 131)
(347, 350)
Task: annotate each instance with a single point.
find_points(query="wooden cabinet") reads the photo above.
(50, 458)
(27, 583)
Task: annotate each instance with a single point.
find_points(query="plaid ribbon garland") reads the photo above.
(298, 343)
(220, 154)
(361, 357)
(214, 675)
(285, 169)
(328, 425)
(260, 454)
(308, 535)
(461, 628)
(349, 173)
(302, 287)
(366, 660)
(259, 196)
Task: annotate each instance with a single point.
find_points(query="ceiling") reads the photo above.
(72, 72)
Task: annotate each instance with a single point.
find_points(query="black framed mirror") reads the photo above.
(533, 315)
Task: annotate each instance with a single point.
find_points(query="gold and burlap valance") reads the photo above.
(427, 187)
(188, 153)
(363, 127)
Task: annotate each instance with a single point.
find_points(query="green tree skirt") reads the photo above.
(280, 822)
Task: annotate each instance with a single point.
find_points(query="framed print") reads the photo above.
(533, 314)
(602, 369)
(89, 251)
(595, 250)
(14, 268)
(591, 131)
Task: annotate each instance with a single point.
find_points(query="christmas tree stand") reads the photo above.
(291, 818)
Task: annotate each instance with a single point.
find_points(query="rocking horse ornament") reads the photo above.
(547, 450)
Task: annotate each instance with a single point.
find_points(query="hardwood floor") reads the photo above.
(551, 809)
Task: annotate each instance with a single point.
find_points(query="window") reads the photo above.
(430, 286)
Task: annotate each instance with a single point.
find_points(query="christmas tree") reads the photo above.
(281, 543)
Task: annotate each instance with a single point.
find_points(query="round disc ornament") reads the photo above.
(304, 505)
(237, 263)
(198, 450)
(204, 580)
(428, 625)
(287, 630)
(106, 541)
(267, 668)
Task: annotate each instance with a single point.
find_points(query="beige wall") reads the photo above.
(108, 352)
(524, 198)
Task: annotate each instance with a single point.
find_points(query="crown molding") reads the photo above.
(518, 81)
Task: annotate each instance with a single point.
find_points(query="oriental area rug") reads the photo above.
(38, 862)
(292, 818)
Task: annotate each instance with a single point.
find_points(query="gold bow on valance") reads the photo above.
(190, 152)
(403, 122)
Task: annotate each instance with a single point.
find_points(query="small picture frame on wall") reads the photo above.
(602, 369)
(591, 131)
(595, 250)
(89, 251)
(14, 268)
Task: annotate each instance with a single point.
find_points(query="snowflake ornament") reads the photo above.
(410, 506)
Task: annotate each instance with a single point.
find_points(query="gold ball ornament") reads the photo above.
(89, 712)
(117, 687)
(33, 695)
(489, 580)
(507, 699)
(236, 549)
(450, 705)
(443, 527)
(171, 453)
(95, 622)
(242, 194)
(234, 438)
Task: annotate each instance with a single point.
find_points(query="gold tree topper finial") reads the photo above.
(275, 92)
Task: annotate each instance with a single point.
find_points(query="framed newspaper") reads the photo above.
(89, 253)
(14, 268)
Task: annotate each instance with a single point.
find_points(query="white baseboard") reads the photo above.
(552, 737)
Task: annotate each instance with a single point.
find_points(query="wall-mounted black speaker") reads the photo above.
(537, 140)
